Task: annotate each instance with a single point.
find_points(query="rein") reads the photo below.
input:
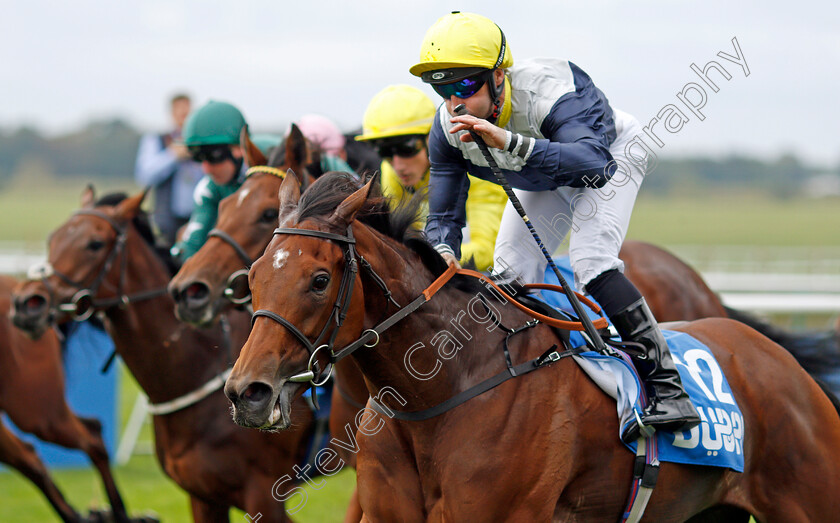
(190, 398)
(82, 305)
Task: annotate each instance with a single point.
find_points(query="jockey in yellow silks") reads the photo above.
(397, 122)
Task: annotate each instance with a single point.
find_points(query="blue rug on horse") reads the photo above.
(717, 441)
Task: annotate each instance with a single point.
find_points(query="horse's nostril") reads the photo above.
(256, 393)
(32, 305)
(196, 293)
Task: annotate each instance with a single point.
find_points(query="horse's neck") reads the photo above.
(11, 358)
(411, 357)
(167, 357)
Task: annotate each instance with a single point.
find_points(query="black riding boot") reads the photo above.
(669, 408)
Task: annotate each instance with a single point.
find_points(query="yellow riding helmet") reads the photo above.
(460, 40)
(397, 110)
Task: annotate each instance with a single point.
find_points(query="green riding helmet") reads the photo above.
(215, 123)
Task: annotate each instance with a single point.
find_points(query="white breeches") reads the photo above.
(597, 218)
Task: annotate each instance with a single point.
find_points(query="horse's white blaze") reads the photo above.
(280, 258)
(242, 196)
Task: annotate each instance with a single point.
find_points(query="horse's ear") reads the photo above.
(346, 211)
(88, 197)
(253, 155)
(289, 192)
(128, 208)
(296, 149)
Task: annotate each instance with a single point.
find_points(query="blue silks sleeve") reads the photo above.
(448, 187)
(579, 130)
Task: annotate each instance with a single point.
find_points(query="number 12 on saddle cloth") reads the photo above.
(717, 441)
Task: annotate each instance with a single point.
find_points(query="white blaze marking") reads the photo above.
(242, 196)
(280, 258)
(300, 252)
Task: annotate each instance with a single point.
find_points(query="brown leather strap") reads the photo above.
(600, 323)
(430, 291)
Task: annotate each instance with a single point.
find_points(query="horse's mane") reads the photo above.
(144, 227)
(327, 192)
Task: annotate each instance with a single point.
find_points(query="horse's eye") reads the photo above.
(95, 245)
(269, 216)
(320, 283)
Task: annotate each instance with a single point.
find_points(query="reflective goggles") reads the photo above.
(463, 88)
(210, 153)
(404, 147)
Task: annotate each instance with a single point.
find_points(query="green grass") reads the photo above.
(736, 220)
(145, 488)
(31, 208)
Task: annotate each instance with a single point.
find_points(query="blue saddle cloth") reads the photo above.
(717, 441)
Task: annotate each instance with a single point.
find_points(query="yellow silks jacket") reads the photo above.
(485, 203)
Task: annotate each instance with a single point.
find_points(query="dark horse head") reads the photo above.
(215, 276)
(86, 264)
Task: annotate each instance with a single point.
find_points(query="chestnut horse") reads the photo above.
(219, 464)
(538, 448)
(32, 394)
(244, 227)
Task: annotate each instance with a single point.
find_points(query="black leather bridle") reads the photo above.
(369, 338)
(229, 292)
(82, 305)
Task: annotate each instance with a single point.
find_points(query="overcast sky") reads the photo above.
(64, 63)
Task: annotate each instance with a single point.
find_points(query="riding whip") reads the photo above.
(461, 110)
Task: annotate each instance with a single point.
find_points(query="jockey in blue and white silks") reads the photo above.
(565, 152)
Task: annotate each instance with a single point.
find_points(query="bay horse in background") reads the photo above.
(32, 395)
(106, 249)
(243, 223)
(675, 291)
(543, 447)
(219, 269)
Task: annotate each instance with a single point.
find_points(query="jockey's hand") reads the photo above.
(450, 259)
(493, 136)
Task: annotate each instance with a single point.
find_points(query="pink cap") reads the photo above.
(322, 132)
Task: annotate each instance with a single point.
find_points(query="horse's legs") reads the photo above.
(94, 447)
(21, 456)
(259, 500)
(204, 512)
(354, 509)
(85, 434)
